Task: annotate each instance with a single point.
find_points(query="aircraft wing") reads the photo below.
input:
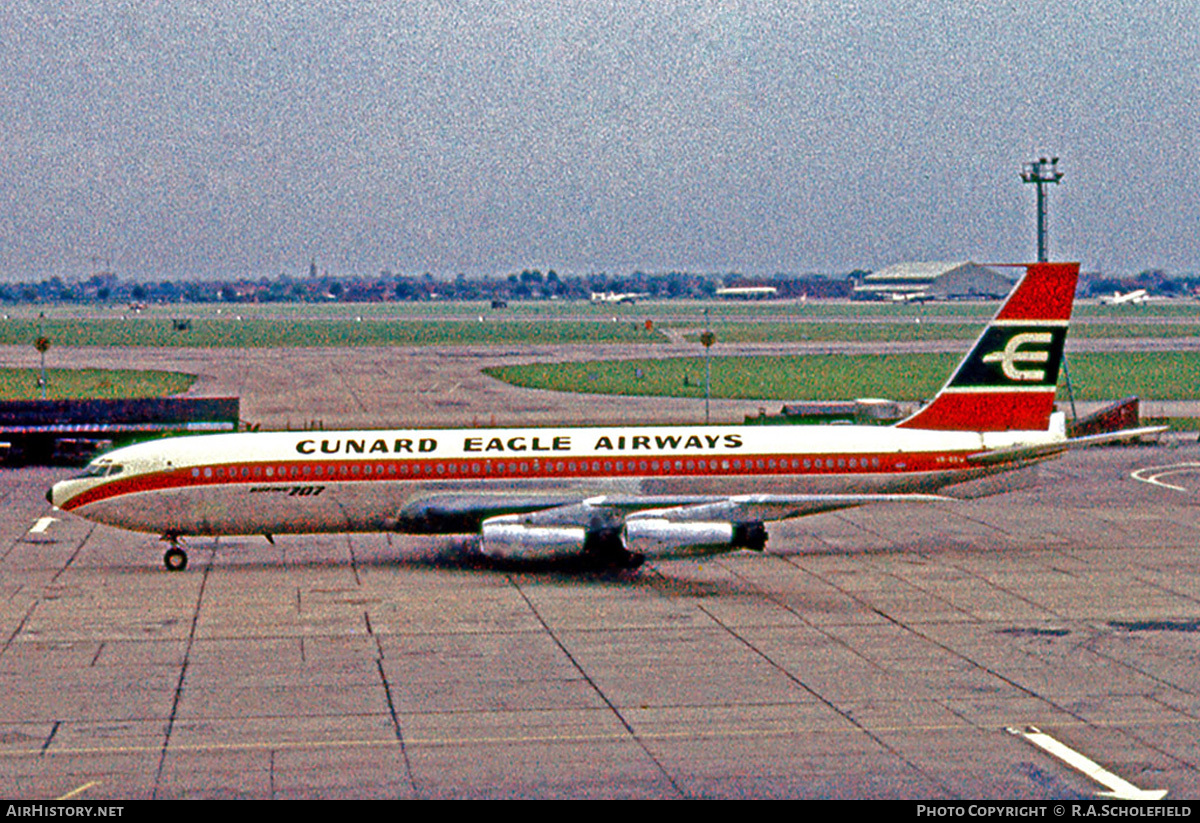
(471, 510)
(744, 507)
(1019, 454)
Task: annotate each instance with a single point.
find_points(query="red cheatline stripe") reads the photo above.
(290, 472)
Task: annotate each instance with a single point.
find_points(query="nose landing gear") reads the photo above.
(175, 558)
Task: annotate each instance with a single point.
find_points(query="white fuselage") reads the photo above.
(356, 481)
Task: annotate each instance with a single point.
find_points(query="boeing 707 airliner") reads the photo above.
(615, 495)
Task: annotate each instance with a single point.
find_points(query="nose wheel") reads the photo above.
(174, 558)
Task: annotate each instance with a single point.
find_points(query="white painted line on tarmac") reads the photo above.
(1118, 788)
(42, 524)
(71, 795)
(1151, 474)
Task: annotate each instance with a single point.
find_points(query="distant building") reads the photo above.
(934, 281)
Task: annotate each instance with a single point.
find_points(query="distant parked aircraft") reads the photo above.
(618, 297)
(1136, 297)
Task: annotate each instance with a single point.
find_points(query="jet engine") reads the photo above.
(504, 538)
(514, 537)
(657, 537)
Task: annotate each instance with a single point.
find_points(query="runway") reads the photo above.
(878, 652)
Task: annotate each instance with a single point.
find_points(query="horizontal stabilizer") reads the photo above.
(1018, 454)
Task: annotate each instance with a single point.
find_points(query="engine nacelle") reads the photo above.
(505, 538)
(656, 537)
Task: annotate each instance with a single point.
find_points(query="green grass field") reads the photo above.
(1094, 376)
(909, 330)
(447, 323)
(77, 384)
(252, 333)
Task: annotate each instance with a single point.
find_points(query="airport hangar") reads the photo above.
(881, 652)
(956, 280)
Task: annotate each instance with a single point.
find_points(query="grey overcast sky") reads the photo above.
(242, 138)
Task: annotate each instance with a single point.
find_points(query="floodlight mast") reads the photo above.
(1041, 172)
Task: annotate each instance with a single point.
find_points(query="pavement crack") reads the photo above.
(74, 554)
(50, 737)
(612, 707)
(396, 728)
(183, 669)
(845, 714)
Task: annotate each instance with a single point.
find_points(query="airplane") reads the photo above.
(629, 297)
(910, 297)
(1135, 297)
(608, 495)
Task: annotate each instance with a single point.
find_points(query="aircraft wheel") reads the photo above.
(175, 559)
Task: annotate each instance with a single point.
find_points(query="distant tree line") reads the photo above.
(529, 284)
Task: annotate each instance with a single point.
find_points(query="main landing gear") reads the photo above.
(175, 558)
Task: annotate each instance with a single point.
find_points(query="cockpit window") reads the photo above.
(102, 470)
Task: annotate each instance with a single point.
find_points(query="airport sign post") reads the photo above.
(42, 344)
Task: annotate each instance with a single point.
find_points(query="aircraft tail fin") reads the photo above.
(1008, 379)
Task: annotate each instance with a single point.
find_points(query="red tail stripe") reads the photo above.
(985, 411)
(1046, 293)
